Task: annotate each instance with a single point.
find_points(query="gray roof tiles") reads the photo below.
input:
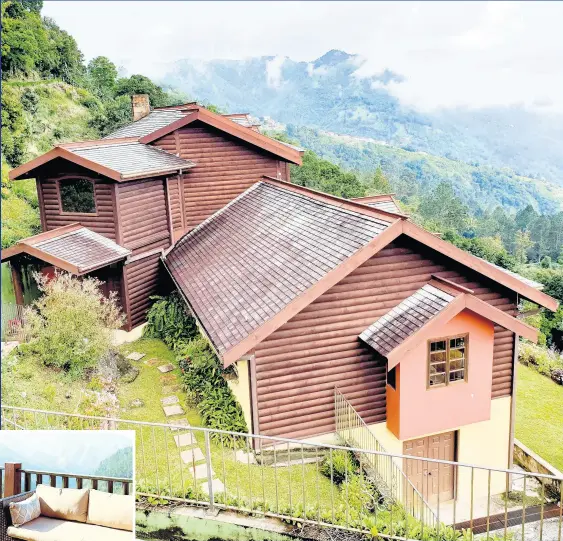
(155, 120)
(388, 206)
(132, 159)
(84, 249)
(407, 318)
(247, 262)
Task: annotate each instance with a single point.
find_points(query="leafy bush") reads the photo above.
(203, 379)
(546, 361)
(343, 466)
(70, 326)
(168, 320)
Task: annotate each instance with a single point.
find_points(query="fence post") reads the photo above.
(12, 479)
(209, 473)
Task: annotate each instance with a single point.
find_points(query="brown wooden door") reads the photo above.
(429, 478)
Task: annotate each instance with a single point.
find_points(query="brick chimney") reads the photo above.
(140, 106)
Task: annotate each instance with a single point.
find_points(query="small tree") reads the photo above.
(70, 326)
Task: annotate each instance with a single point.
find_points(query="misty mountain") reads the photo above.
(331, 94)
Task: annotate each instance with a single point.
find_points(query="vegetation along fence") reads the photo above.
(319, 485)
(382, 468)
(11, 316)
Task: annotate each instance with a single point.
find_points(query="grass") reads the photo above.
(539, 415)
(164, 472)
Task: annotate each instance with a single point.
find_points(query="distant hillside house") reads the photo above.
(302, 292)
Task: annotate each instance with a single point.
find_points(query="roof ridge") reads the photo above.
(359, 208)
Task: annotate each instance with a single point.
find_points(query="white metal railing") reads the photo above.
(12, 322)
(383, 468)
(283, 478)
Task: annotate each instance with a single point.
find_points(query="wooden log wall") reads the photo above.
(225, 168)
(298, 366)
(102, 222)
(143, 228)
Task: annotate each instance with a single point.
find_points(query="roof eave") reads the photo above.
(230, 127)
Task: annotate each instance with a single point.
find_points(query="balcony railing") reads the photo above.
(284, 478)
(15, 480)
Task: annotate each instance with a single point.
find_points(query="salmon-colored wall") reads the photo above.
(426, 411)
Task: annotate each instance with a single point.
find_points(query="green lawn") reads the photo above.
(539, 415)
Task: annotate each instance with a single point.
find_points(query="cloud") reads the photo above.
(274, 71)
(450, 53)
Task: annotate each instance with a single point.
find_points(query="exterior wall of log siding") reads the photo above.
(298, 366)
(52, 216)
(225, 167)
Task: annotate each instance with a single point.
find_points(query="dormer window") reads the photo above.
(447, 360)
(77, 196)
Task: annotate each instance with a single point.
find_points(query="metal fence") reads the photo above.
(12, 322)
(386, 471)
(306, 483)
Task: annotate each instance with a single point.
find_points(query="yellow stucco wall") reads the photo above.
(240, 388)
(485, 443)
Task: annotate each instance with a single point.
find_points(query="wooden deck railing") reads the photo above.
(18, 480)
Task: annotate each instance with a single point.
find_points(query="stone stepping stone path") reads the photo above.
(170, 400)
(190, 456)
(244, 457)
(168, 379)
(170, 411)
(134, 356)
(201, 471)
(184, 440)
(171, 389)
(166, 368)
(181, 422)
(153, 362)
(216, 484)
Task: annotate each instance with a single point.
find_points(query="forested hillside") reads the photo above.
(120, 464)
(334, 93)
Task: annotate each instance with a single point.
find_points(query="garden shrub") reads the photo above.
(168, 320)
(343, 465)
(203, 379)
(546, 361)
(70, 326)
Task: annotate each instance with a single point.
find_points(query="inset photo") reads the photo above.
(67, 485)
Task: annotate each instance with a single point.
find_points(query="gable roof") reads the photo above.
(118, 159)
(382, 201)
(238, 288)
(155, 120)
(227, 125)
(422, 315)
(248, 262)
(73, 248)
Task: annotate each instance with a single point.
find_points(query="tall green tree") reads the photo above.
(442, 206)
(379, 183)
(102, 77)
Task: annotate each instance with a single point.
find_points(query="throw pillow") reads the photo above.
(25, 511)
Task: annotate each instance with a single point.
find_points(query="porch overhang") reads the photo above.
(73, 248)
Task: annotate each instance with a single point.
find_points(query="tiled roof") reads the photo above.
(527, 281)
(248, 261)
(131, 159)
(403, 321)
(148, 124)
(388, 206)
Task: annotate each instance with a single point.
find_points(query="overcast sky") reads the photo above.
(451, 53)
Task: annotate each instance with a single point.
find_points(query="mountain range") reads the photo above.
(332, 94)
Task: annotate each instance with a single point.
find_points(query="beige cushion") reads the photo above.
(52, 529)
(24, 511)
(63, 503)
(111, 510)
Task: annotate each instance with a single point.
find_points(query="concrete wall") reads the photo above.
(240, 388)
(426, 410)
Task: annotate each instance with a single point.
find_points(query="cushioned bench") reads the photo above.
(71, 514)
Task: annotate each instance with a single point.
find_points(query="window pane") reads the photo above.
(458, 364)
(457, 342)
(438, 357)
(438, 346)
(457, 353)
(77, 195)
(437, 379)
(457, 375)
(437, 368)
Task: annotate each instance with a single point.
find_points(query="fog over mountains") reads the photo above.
(333, 94)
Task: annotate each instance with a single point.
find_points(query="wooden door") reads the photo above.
(431, 479)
